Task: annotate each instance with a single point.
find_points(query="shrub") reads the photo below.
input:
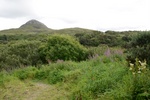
(97, 38)
(139, 47)
(19, 54)
(27, 73)
(63, 47)
(141, 84)
(98, 80)
(55, 76)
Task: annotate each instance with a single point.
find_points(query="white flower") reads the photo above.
(142, 64)
(139, 71)
(131, 65)
(133, 73)
(130, 68)
(143, 67)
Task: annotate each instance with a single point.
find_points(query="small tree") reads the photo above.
(63, 47)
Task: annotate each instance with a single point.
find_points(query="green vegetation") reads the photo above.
(19, 54)
(38, 63)
(99, 78)
(139, 47)
(63, 47)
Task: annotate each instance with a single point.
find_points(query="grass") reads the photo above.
(28, 90)
(104, 77)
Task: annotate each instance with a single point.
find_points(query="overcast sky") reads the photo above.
(102, 15)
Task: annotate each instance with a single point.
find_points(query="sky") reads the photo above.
(102, 15)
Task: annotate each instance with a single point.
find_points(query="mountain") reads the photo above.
(30, 27)
(33, 24)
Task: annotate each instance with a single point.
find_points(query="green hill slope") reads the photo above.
(34, 26)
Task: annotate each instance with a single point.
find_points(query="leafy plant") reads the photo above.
(140, 80)
(55, 76)
(19, 54)
(139, 47)
(26, 73)
(63, 47)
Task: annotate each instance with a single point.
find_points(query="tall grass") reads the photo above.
(104, 77)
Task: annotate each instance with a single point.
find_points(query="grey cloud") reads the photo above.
(15, 8)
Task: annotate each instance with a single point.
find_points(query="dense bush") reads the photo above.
(19, 54)
(98, 79)
(26, 73)
(99, 38)
(139, 47)
(63, 47)
(55, 76)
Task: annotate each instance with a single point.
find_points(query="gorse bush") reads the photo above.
(63, 47)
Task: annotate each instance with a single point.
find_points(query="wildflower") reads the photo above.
(138, 67)
(119, 52)
(139, 71)
(133, 73)
(142, 64)
(107, 52)
(144, 67)
(131, 65)
(130, 68)
(139, 61)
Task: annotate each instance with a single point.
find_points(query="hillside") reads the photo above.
(30, 27)
(74, 30)
(34, 26)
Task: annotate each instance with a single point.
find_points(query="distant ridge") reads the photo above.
(33, 24)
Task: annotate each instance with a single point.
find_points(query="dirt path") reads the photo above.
(41, 91)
